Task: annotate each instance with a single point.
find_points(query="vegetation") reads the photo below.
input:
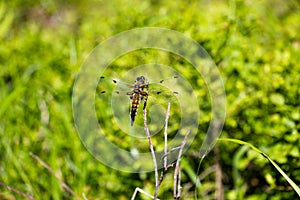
(255, 45)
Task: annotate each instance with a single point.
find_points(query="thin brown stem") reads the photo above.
(166, 136)
(152, 153)
(165, 167)
(177, 177)
(141, 191)
(27, 196)
(179, 185)
(65, 186)
(161, 178)
(219, 186)
(169, 152)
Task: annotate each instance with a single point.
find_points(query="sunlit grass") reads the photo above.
(256, 46)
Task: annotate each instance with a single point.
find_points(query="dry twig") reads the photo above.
(141, 191)
(27, 196)
(153, 155)
(219, 185)
(166, 166)
(177, 175)
(166, 136)
(65, 186)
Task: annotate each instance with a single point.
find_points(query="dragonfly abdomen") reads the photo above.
(136, 97)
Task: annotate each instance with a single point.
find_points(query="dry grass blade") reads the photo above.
(27, 196)
(65, 186)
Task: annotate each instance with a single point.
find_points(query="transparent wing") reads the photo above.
(164, 89)
(114, 95)
(112, 101)
(113, 85)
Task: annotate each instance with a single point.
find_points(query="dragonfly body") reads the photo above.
(138, 93)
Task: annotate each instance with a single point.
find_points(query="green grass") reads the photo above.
(255, 45)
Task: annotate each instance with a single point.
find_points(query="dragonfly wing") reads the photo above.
(113, 85)
(161, 92)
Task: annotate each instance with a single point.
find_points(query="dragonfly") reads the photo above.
(138, 92)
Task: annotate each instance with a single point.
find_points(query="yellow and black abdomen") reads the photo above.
(136, 97)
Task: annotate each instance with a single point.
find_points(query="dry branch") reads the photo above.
(65, 186)
(152, 153)
(27, 196)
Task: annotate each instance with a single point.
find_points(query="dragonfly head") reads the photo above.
(140, 80)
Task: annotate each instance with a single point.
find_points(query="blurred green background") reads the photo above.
(255, 44)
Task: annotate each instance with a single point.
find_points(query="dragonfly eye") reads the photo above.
(140, 79)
